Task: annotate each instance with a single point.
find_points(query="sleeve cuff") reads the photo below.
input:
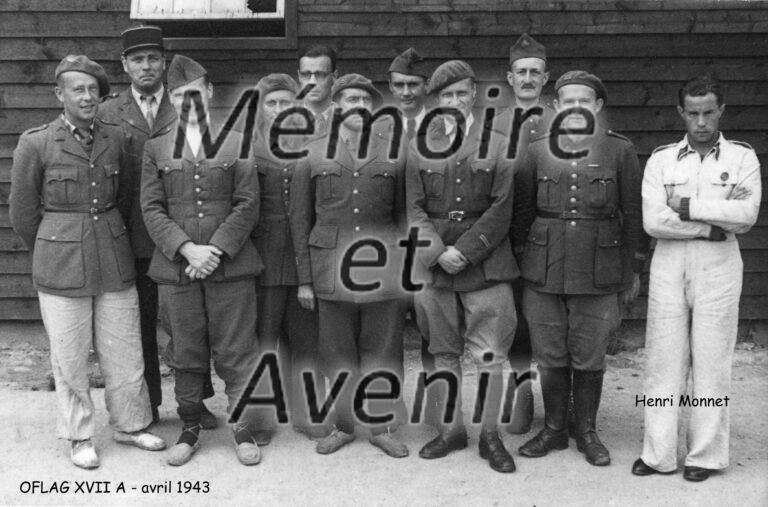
(685, 209)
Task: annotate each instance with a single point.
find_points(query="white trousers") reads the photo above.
(693, 315)
(110, 324)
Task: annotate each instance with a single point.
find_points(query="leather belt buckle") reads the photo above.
(93, 211)
(456, 216)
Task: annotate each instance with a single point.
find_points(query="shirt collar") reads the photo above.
(137, 95)
(450, 126)
(685, 148)
(72, 129)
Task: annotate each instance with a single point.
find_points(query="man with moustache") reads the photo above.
(697, 194)
(200, 208)
(144, 111)
(578, 196)
(66, 187)
(317, 67)
(462, 203)
(336, 203)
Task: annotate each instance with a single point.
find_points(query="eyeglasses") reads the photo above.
(319, 75)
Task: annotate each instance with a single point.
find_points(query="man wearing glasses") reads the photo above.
(317, 67)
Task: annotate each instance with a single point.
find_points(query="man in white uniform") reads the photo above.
(697, 194)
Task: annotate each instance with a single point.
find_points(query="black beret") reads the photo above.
(357, 81)
(82, 63)
(273, 82)
(448, 73)
(583, 77)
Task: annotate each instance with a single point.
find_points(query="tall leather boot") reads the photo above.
(555, 387)
(491, 447)
(587, 388)
(453, 434)
(522, 411)
(571, 417)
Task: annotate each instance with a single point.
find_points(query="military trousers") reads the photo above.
(210, 320)
(693, 317)
(108, 323)
(570, 330)
(360, 339)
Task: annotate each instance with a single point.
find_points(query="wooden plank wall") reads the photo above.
(643, 50)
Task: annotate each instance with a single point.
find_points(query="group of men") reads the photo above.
(524, 226)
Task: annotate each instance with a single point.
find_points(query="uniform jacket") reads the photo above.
(272, 234)
(677, 169)
(207, 201)
(124, 111)
(337, 202)
(63, 204)
(534, 126)
(481, 189)
(580, 217)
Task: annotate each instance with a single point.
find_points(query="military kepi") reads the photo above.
(583, 77)
(526, 47)
(142, 37)
(448, 73)
(82, 63)
(409, 63)
(183, 70)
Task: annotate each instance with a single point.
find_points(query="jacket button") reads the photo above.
(96, 217)
(573, 223)
(197, 165)
(197, 190)
(574, 187)
(53, 237)
(325, 173)
(197, 176)
(356, 210)
(92, 166)
(458, 199)
(93, 183)
(355, 191)
(199, 203)
(357, 228)
(200, 215)
(574, 164)
(573, 199)
(355, 174)
(285, 169)
(574, 176)
(458, 180)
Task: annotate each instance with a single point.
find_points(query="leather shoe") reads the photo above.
(387, 443)
(333, 442)
(83, 454)
(208, 420)
(141, 439)
(594, 450)
(696, 474)
(545, 440)
(246, 448)
(640, 468)
(492, 449)
(441, 445)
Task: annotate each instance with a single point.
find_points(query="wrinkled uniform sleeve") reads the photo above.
(659, 220)
(416, 209)
(164, 231)
(236, 228)
(524, 200)
(736, 216)
(637, 241)
(26, 206)
(488, 231)
(302, 216)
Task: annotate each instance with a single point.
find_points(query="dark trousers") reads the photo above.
(210, 319)
(290, 330)
(520, 351)
(361, 338)
(147, 290)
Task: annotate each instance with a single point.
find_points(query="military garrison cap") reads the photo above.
(82, 63)
(274, 82)
(526, 47)
(583, 77)
(183, 70)
(357, 81)
(448, 73)
(409, 63)
(142, 37)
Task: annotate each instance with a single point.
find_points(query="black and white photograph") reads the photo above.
(383, 252)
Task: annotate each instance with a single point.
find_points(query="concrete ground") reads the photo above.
(291, 473)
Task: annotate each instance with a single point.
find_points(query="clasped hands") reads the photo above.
(203, 259)
(452, 260)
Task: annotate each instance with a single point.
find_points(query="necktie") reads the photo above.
(150, 116)
(410, 128)
(85, 138)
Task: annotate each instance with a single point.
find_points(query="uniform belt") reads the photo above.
(565, 215)
(91, 211)
(456, 216)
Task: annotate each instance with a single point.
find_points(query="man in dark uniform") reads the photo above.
(527, 76)
(578, 196)
(462, 203)
(144, 111)
(66, 184)
(200, 208)
(336, 203)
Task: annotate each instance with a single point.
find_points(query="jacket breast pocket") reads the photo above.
(122, 246)
(111, 172)
(61, 185)
(535, 254)
(483, 172)
(609, 268)
(383, 179)
(172, 173)
(602, 188)
(322, 253)
(58, 261)
(721, 182)
(221, 174)
(547, 190)
(433, 179)
(675, 183)
(327, 177)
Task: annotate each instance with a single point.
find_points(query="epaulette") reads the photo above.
(616, 134)
(742, 143)
(36, 129)
(105, 122)
(109, 96)
(664, 147)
